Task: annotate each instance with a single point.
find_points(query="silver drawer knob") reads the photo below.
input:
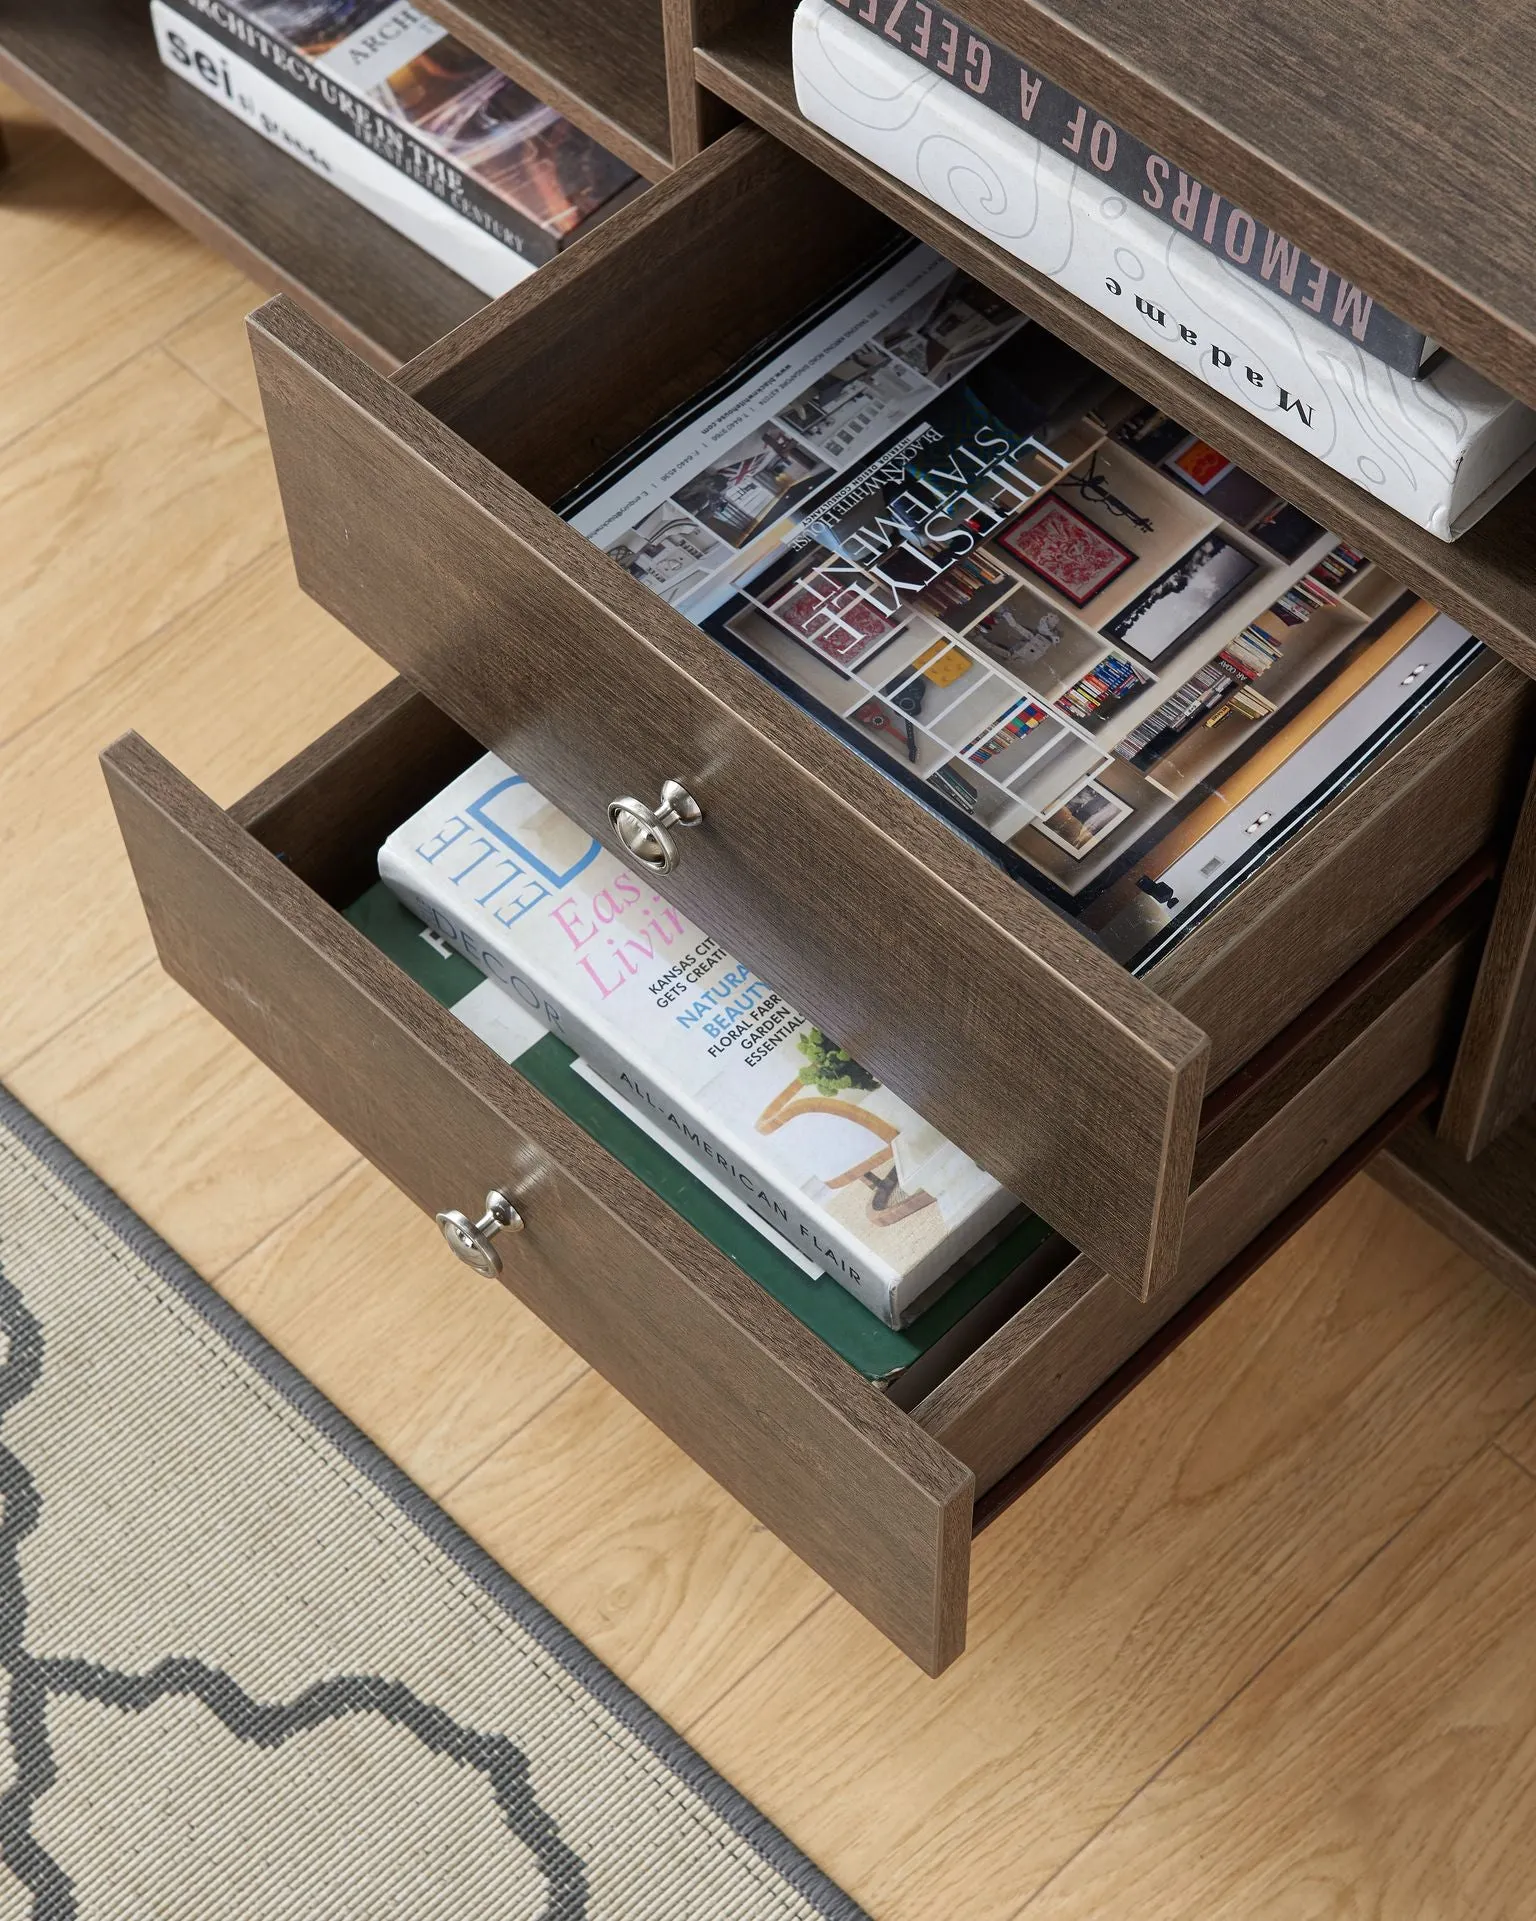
(647, 831)
(471, 1240)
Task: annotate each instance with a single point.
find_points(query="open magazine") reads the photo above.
(1093, 643)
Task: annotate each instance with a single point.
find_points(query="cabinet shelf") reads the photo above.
(1399, 147)
(599, 62)
(1487, 579)
(91, 66)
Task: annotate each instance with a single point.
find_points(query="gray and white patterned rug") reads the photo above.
(250, 1671)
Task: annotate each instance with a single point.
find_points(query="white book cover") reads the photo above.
(511, 1030)
(830, 1158)
(308, 137)
(1441, 449)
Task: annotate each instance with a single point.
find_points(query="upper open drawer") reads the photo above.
(419, 510)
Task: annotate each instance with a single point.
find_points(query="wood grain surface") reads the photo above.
(1495, 1075)
(1487, 579)
(1143, 1585)
(91, 65)
(1487, 1206)
(1421, 1673)
(1133, 1373)
(819, 1455)
(698, 117)
(86, 243)
(147, 442)
(196, 693)
(1008, 1396)
(847, 894)
(1125, 1605)
(599, 62)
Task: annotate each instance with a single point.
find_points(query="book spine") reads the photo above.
(352, 114)
(288, 124)
(435, 901)
(946, 45)
(1439, 450)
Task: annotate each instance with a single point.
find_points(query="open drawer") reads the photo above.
(418, 512)
(245, 908)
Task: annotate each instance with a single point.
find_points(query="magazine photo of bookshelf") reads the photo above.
(1063, 617)
(752, 483)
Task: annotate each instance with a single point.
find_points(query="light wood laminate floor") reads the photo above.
(1264, 1647)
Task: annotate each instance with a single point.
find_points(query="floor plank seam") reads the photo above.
(164, 343)
(213, 1275)
(149, 640)
(700, 1715)
(13, 441)
(512, 1433)
(1243, 1688)
(1514, 1459)
(80, 1014)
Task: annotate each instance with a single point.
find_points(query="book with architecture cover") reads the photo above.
(1069, 625)
(358, 151)
(990, 73)
(407, 91)
(990, 1284)
(696, 1039)
(1441, 450)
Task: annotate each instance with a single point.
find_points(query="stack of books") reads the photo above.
(381, 101)
(968, 124)
(1251, 654)
(990, 1282)
(695, 1041)
(1338, 569)
(1112, 681)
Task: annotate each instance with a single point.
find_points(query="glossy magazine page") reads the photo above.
(1080, 633)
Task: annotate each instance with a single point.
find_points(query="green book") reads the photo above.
(1013, 1265)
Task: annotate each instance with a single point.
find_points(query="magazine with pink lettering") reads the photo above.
(694, 1038)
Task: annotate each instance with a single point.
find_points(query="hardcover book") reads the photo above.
(1440, 450)
(1007, 86)
(1085, 637)
(368, 170)
(406, 90)
(695, 1039)
(989, 1285)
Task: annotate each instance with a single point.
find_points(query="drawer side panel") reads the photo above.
(1339, 888)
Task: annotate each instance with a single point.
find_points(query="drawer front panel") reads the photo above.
(1325, 900)
(847, 1481)
(1009, 1395)
(994, 1018)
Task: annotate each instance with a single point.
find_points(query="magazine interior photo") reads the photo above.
(1093, 642)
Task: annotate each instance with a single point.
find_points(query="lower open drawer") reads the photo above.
(245, 908)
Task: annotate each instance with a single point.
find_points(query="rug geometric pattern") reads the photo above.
(251, 1671)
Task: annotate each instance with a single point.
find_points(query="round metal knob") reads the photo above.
(647, 831)
(471, 1240)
